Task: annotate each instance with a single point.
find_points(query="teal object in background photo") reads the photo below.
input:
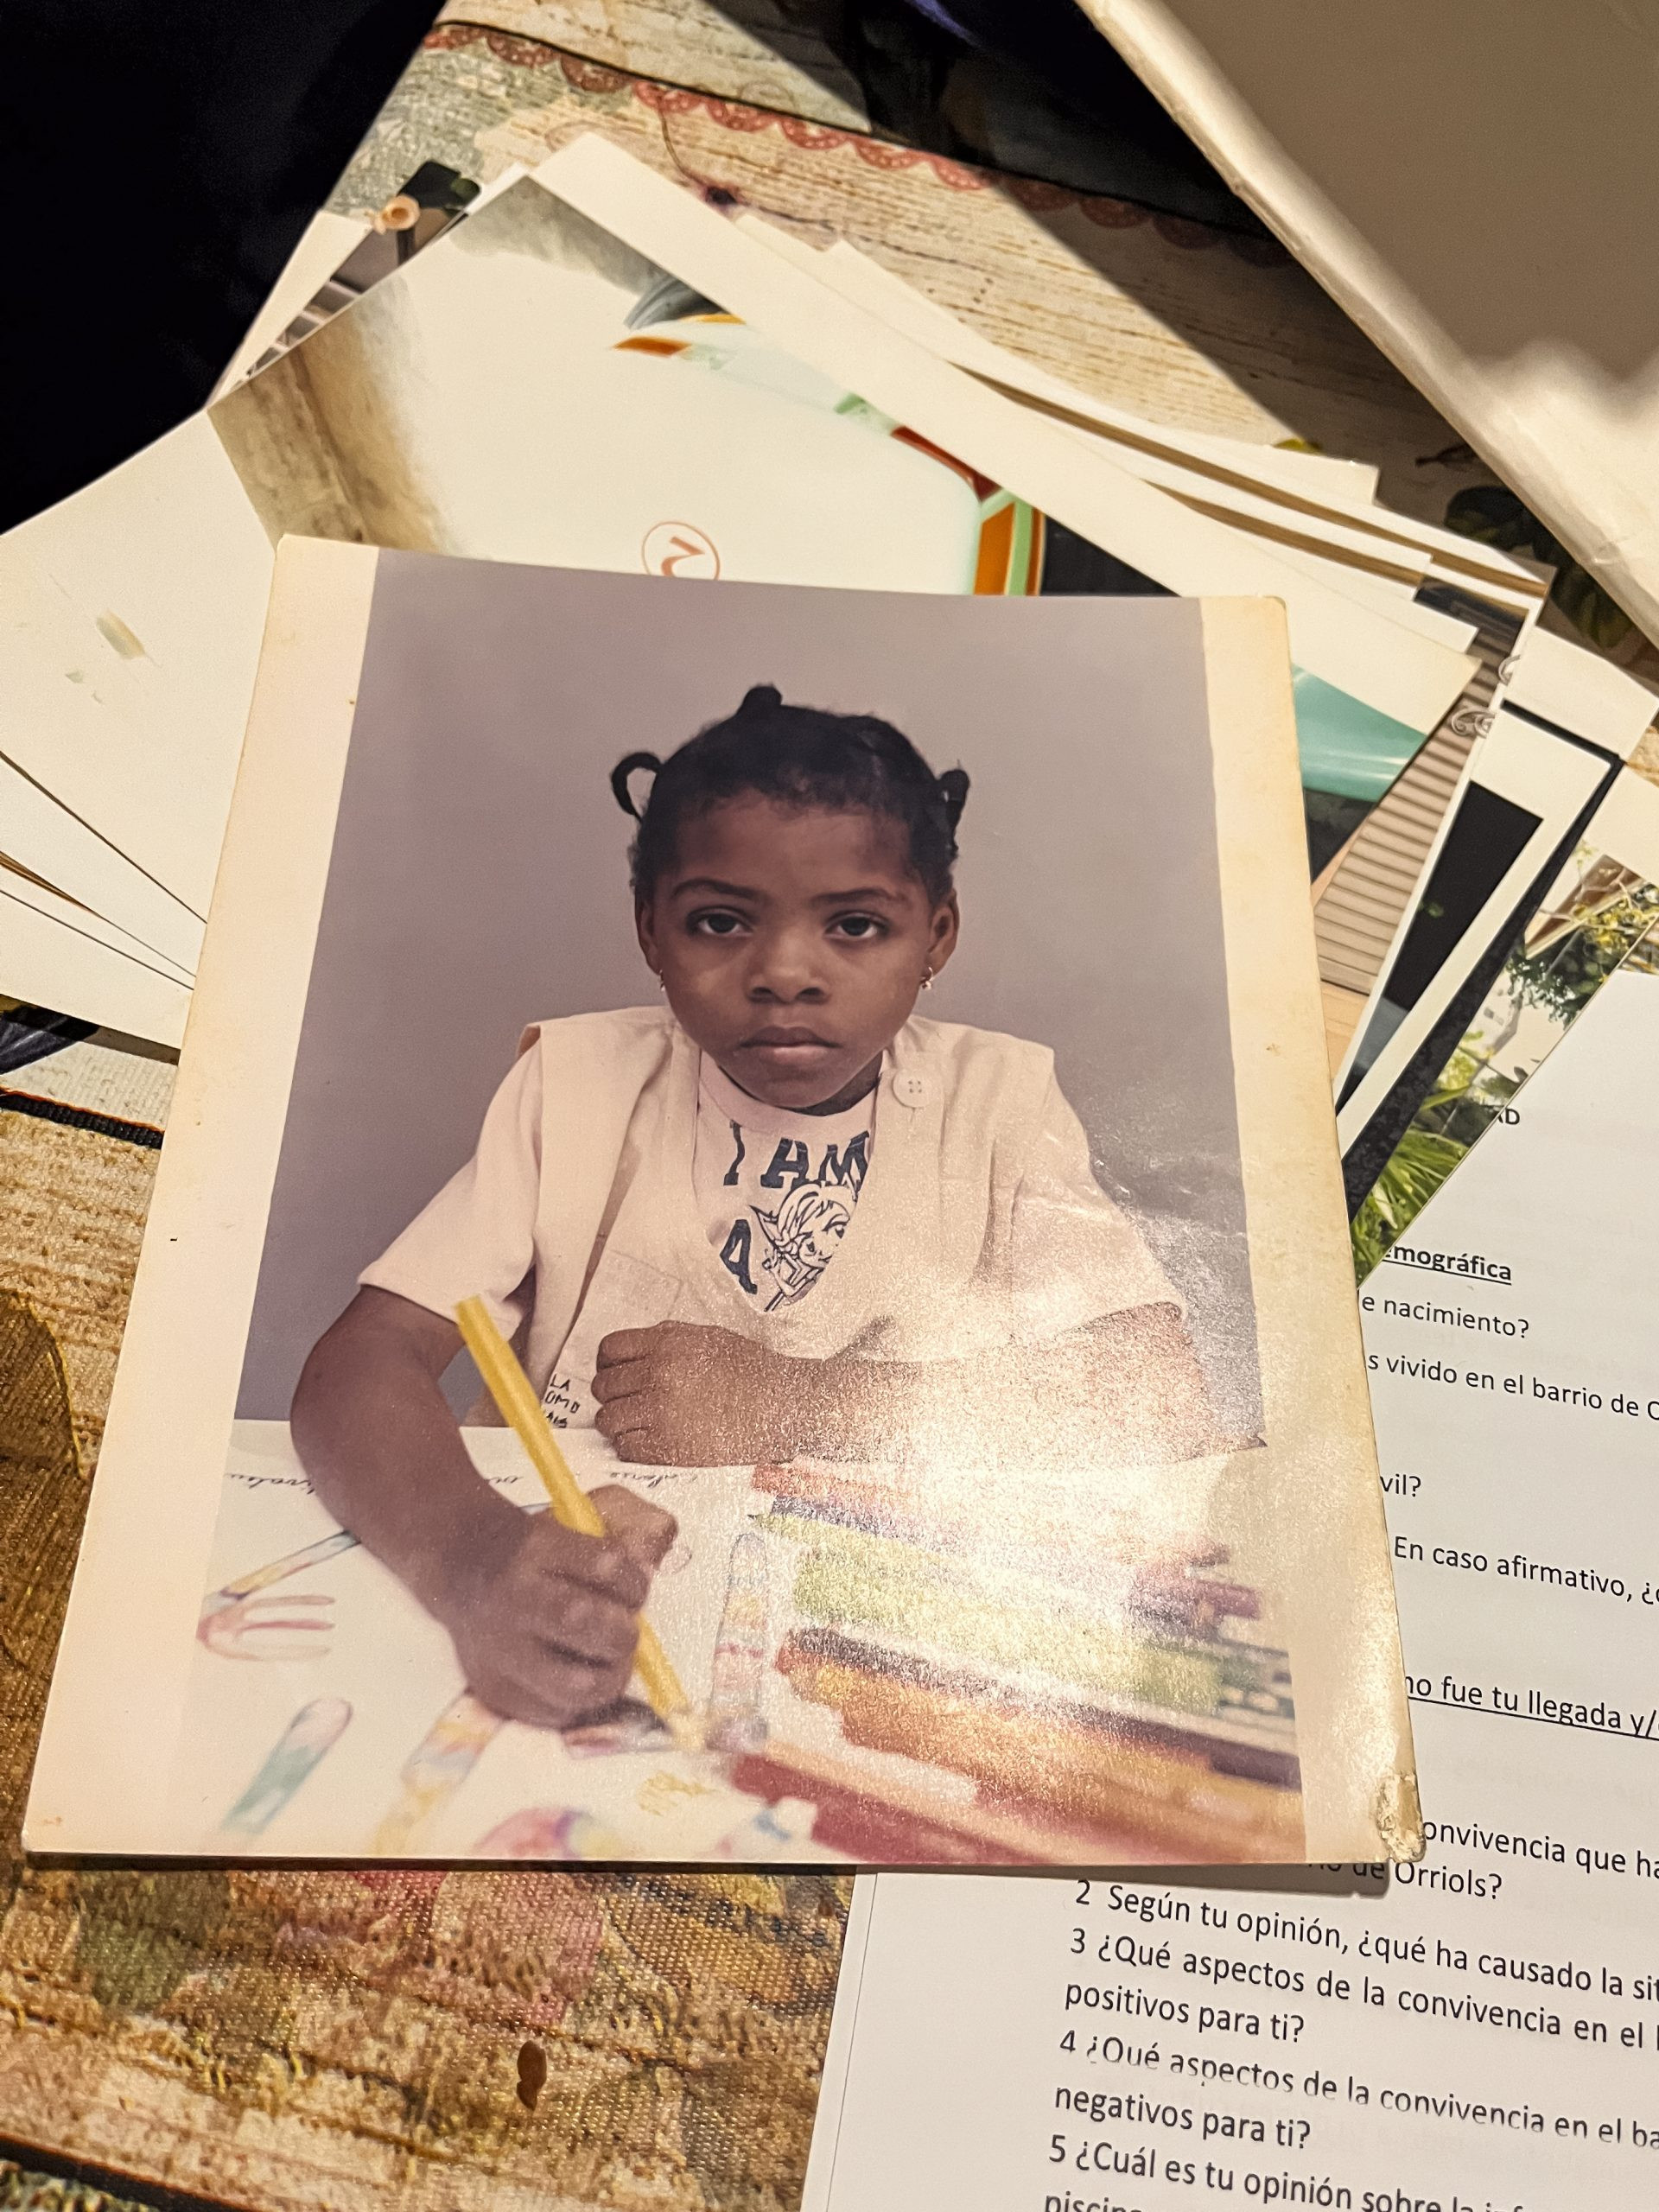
(1350, 756)
(1347, 748)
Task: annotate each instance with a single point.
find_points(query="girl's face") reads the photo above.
(791, 943)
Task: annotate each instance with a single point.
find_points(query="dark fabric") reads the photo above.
(31, 1033)
(163, 160)
(1029, 86)
(1052, 37)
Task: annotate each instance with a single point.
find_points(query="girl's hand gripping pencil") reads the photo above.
(509, 1386)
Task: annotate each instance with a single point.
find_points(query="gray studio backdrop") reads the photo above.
(479, 881)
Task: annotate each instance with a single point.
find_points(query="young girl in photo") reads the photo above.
(776, 1214)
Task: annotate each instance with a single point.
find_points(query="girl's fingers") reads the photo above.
(625, 1344)
(561, 1559)
(644, 1531)
(626, 1380)
(626, 1417)
(549, 1689)
(592, 1630)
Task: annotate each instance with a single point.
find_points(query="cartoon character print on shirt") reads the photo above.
(801, 1234)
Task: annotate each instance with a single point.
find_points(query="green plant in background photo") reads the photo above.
(1596, 917)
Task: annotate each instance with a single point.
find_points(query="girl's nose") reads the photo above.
(786, 967)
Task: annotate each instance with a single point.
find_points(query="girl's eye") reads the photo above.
(859, 926)
(716, 923)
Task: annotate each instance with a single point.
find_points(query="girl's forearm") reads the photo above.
(375, 1435)
(1128, 1384)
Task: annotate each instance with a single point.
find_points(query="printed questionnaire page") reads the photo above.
(1475, 2033)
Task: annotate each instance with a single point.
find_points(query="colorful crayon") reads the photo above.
(734, 1722)
(1175, 1802)
(436, 1769)
(549, 1832)
(308, 1737)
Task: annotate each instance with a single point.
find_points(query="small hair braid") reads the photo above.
(801, 757)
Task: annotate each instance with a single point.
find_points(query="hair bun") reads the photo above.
(952, 787)
(760, 699)
(619, 776)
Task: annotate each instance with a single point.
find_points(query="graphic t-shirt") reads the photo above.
(776, 1190)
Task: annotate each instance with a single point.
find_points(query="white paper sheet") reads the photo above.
(133, 611)
(860, 277)
(1473, 185)
(19, 884)
(1482, 2031)
(1411, 678)
(53, 956)
(38, 834)
(1337, 492)
(130, 617)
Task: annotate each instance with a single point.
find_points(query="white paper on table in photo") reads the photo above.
(1552, 779)
(69, 968)
(37, 834)
(375, 1647)
(1373, 659)
(132, 616)
(1577, 689)
(1341, 493)
(1350, 503)
(1387, 594)
(1567, 685)
(1625, 826)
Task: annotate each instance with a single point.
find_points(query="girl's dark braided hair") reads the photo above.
(801, 756)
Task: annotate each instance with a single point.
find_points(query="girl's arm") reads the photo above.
(1124, 1387)
(544, 1621)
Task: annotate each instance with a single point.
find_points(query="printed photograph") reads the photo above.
(1595, 916)
(762, 1348)
(422, 209)
(531, 388)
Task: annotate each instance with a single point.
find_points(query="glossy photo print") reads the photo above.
(533, 387)
(758, 1273)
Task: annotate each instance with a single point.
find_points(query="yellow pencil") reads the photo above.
(509, 1386)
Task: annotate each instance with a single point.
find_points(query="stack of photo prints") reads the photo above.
(755, 1260)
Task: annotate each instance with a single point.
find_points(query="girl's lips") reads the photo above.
(790, 1051)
